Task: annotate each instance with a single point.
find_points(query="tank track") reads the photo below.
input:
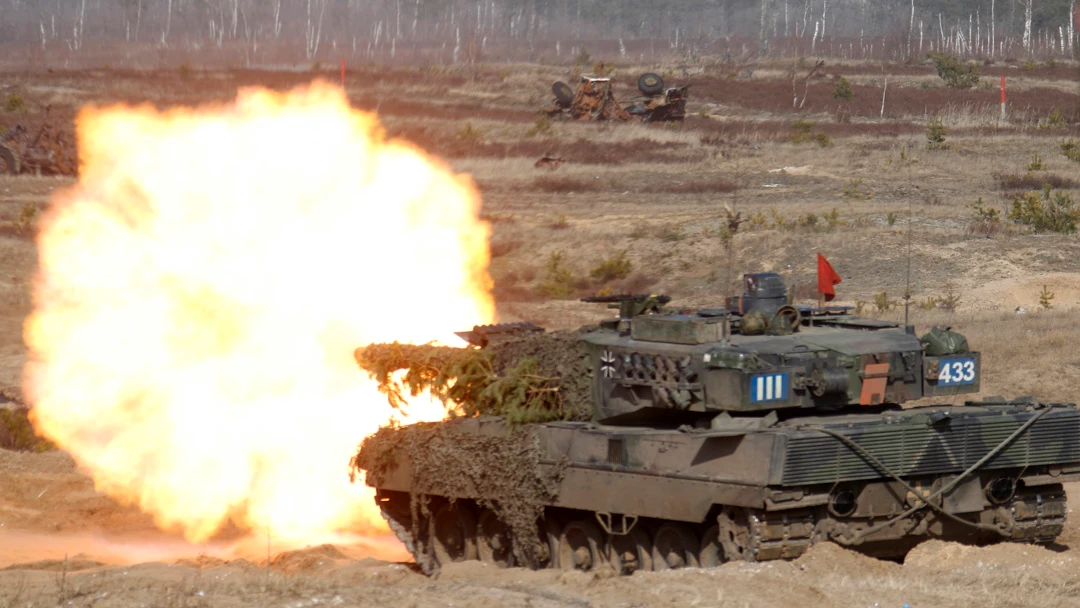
(403, 531)
(577, 541)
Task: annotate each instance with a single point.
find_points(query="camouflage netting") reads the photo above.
(530, 378)
(536, 377)
(502, 471)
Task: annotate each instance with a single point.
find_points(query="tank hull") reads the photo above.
(579, 495)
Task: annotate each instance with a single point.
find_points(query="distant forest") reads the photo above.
(455, 31)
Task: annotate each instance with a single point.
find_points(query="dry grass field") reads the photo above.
(639, 208)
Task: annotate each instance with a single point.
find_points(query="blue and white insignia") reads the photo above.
(607, 364)
(769, 387)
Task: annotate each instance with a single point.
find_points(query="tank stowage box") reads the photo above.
(747, 432)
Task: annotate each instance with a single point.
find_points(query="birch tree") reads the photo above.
(316, 9)
(1027, 24)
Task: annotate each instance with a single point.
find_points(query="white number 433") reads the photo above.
(960, 371)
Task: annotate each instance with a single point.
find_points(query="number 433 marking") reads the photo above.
(953, 372)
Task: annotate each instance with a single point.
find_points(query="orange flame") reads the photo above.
(202, 289)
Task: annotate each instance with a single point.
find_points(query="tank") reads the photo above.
(668, 437)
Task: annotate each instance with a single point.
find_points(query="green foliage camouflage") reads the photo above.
(529, 379)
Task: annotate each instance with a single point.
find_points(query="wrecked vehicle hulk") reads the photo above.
(594, 99)
(666, 438)
(49, 151)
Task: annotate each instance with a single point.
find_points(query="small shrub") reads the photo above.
(558, 279)
(890, 219)
(882, 301)
(930, 303)
(986, 221)
(935, 133)
(758, 220)
(843, 90)
(1071, 149)
(602, 69)
(703, 113)
(851, 189)
(950, 301)
(542, 126)
(832, 219)
(810, 220)
(469, 133)
(16, 432)
(823, 140)
(957, 74)
(27, 217)
(1036, 163)
(1029, 66)
(612, 269)
(1052, 212)
(800, 131)
(1055, 120)
(184, 70)
(15, 103)
(583, 57)
(983, 213)
(1045, 298)
(777, 219)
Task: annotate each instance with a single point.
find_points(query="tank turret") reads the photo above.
(761, 354)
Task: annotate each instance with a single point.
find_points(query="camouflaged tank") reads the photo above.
(745, 432)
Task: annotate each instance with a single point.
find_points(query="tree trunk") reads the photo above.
(1027, 25)
(763, 33)
(168, 25)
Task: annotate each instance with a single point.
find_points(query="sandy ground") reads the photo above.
(63, 544)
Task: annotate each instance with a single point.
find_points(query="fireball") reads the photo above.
(203, 286)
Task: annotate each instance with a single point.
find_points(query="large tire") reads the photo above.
(9, 161)
(650, 84)
(564, 95)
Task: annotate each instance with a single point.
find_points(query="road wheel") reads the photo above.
(631, 552)
(674, 546)
(711, 554)
(9, 161)
(493, 540)
(454, 534)
(579, 546)
(734, 525)
(650, 84)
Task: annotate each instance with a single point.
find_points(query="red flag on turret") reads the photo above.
(826, 278)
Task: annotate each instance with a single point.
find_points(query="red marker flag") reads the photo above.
(826, 278)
